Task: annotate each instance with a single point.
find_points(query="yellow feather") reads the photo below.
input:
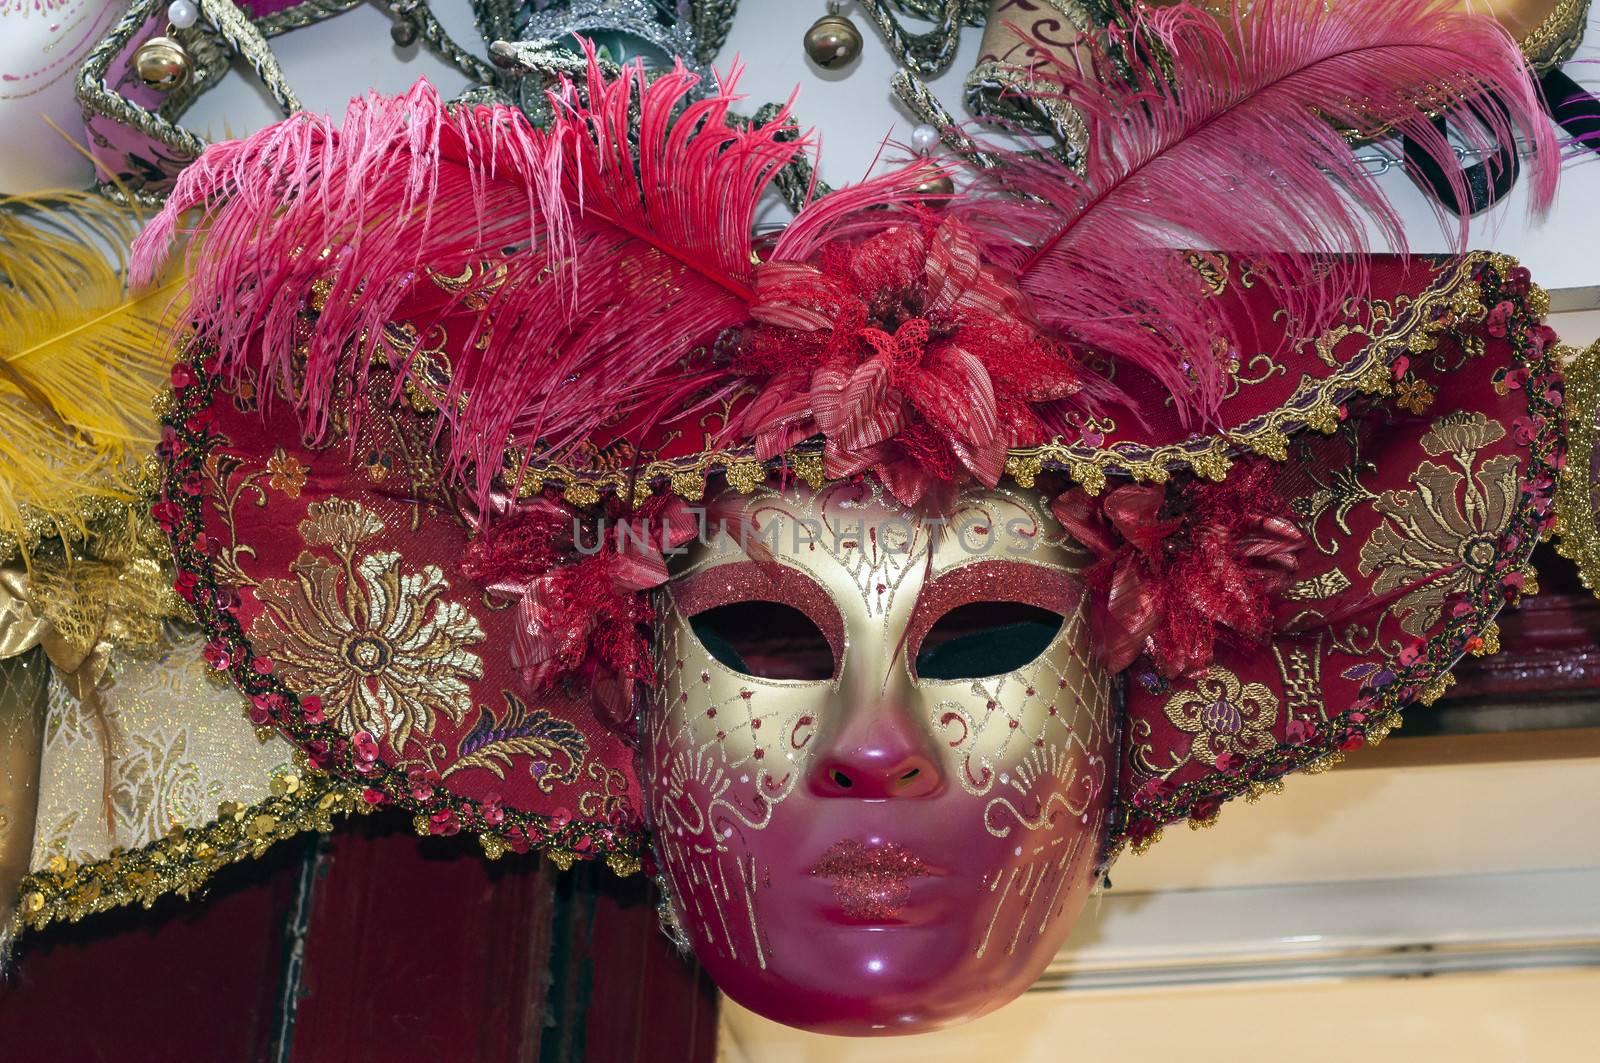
(81, 358)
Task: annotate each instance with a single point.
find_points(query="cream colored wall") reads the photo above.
(1354, 823)
(1579, 328)
(1533, 1017)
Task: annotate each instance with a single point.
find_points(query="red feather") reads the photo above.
(1243, 150)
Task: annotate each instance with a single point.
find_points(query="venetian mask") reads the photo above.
(41, 47)
(879, 759)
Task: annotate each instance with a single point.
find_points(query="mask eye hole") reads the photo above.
(984, 639)
(767, 640)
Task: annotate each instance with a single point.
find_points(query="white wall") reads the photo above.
(854, 112)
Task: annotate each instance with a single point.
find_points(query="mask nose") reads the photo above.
(877, 755)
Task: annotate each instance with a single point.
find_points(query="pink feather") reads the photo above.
(625, 247)
(618, 261)
(402, 186)
(1243, 150)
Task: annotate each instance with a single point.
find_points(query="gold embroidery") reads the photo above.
(1441, 536)
(339, 524)
(158, 784)
(285, 473)
(229, 486)
(1340, 493)
(1301, 673)
(1212, 267)
(475, 284)
(1330, 583)
(1225, 716)
(1413, 393)
(610, 799)
(379, 646)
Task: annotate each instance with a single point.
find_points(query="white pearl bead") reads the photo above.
(182, 14)
(924, 139)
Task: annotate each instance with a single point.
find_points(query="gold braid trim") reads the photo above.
(1577, 531)
(1313, 404)
(184, 861)
(1415, 329)
(1555, 39)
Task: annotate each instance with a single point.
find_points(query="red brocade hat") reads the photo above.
(436, 349)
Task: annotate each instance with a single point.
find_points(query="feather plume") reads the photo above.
(623, 237)
(1244, 148)
(657, 258)
(366, 208)
(81, 359)
(625, 243)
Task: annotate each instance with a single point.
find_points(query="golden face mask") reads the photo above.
(879, 759)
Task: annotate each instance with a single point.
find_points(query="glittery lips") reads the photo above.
(871, 882)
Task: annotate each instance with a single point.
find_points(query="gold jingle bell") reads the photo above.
(833, 42)
(938, 188)
(162, 63)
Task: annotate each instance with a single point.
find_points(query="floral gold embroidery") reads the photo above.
(339, 524)
(1224, 715)
(1441, 536)
(378, 645)
(285, 473)
(232, 486)
(1413, 393)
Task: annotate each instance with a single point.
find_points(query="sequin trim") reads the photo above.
(191, 437)
(184, 861)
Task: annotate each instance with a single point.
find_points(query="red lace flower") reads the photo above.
(1177, 570)
(906, 353)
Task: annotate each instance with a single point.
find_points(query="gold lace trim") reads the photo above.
(184, 860)
(1577, 528)
(86, 520)
(1313, 404)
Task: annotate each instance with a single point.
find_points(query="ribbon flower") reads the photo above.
(906, 353)
(1177, 571)
(578, 586)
